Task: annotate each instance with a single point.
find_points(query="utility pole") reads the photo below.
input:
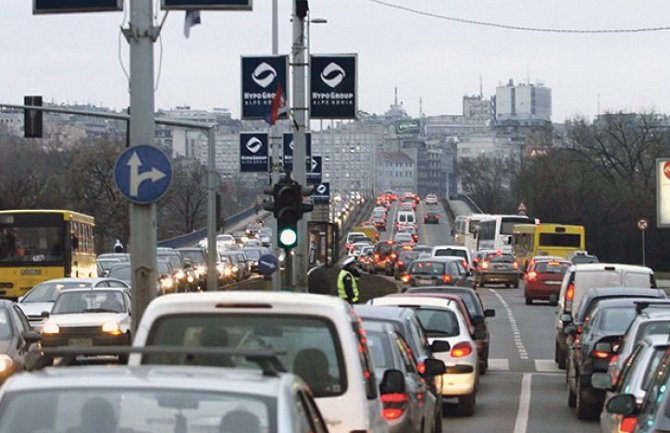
(212, 183)
(141, 35)
(275, 167)
(299, 110)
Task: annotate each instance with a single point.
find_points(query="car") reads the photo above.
(478, 315)
(431, 217)
(543, 279)
(635, 378)
(406, 217)
(252, 257)
(224, 242)
(412, 230)
(366, 258)
(265, 236)
(405, 258)
(304, 329)
(442, 320)
(17, 339)
(184, 275)
(240, 236)
(123, 257)
(227, 271)
(41, 298)
(82, 399)
(453, 250)
(382, 256)
(578, 279)
(349, 241)
(430, 199)
(197, 256)
(252, 229)
(592, 352)
(582, 257)
(413, 410)
(358, 247)
(105, 263)
(403, 238)
(491, 266)
(437, 271)
(242, 264)
(165, 283)
(85, 317)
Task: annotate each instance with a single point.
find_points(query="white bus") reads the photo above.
(495, 232)
(465, 229)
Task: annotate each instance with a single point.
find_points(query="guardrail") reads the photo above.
(193, 237)
(466, 198)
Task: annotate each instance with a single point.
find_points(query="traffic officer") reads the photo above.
(118, 246)
(347, 281)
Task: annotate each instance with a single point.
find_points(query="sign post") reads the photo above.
(643, 224)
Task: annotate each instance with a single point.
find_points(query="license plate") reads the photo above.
(500, 267)
(426, 281)
(80, 342)
(553, 283)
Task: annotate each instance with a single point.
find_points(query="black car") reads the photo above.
(198, 258)
(16, 339)
(405, 258)
(431, 217)
(436, 271)
(591, 353)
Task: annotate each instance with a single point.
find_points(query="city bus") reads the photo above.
(495, 231)
(39, 245)
(465, 229)
(546, 239)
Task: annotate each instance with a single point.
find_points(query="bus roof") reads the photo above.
(68, 215)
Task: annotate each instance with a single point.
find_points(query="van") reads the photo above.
(580, 278)
(453, 250)
(405, 217)
(318, 337)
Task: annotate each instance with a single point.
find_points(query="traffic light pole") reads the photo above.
(275, 169)
(299, 111)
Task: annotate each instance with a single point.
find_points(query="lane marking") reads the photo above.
(516, 333)
(521, 422)
(498, 364)
(546, 366)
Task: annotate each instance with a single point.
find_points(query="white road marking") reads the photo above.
(498, 364)
(546, 366)
(521, 422)
(518, 342)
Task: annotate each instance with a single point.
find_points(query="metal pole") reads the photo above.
(299, 151)
(143, 241)
(644, 258)
(275, 168)
(212, 252)
(275, 27)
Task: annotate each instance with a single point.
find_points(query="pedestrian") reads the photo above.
(118, 246)
(347, 281)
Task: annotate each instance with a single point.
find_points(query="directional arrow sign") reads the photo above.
(143, 173)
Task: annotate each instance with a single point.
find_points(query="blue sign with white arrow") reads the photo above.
(143, 173)
(267, 264)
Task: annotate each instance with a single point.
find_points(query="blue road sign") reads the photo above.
(322, 193)
(66, 6)
(267, 264)
(143, 173)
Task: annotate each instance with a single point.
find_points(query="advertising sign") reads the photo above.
(322, 193)
(333, 85)
(288, 149)
(314, 171)
(322, 243)
(663, 192)
(261, 77)
(253, 152)
(66, 6)
(235, 5)
(407, 127)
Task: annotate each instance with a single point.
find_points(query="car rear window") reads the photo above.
(380, 349)
(552, 267)
(302, 342)
(451, 252)
(427, 268)
(656, 327)
(616, 320)
(500, 258)
(438, 323)
(384, 248)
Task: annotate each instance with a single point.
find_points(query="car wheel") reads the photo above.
(516, 283)
(556, 351)
(586, 411)
(529, 301)
(561, 359)
(437, 427)
(466, 404)
(508, 285)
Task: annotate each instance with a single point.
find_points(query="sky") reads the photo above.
(78, 58)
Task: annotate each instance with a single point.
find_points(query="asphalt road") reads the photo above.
(523, 392)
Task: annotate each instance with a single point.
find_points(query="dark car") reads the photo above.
(392, 258)
(582, 257)
(382, 255)
(431, 217)
(477, 313)
(185, 278)
(405, 258)
(492, 266)
(592, 352)
(436, 271)
(17, 337)
(198, 258)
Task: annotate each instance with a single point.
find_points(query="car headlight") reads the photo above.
(201, 269)
(179, 275)
(227, 272)
(236, 269)
(6, 363)
(50, 328)
(190, 278)
(167, 283)
(111, 327)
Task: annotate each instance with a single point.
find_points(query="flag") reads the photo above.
(278, 106)
(191, 19)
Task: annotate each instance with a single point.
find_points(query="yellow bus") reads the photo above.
(546, 239)
(39, 245)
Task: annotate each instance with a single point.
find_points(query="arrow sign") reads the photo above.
(143, 173)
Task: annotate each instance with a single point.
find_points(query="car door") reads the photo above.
(22, 327)
(416, 385)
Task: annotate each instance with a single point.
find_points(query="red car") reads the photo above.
(543, 278)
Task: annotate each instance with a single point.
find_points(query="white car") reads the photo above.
(453, 250)
(403, 237)
(431, 199)
(357, 248)
(320, 338)
(442, 320)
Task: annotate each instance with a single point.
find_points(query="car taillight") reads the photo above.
(405, 278)
(485, 264)
(569, 296)
(421, 368)
(401, 263)
(628, 424)
(446, 278)
(515, 265)
(579, 329)
(393, 256)
(531, 276)
(601, 354)
(376, 257)
(394, 405)
(461, 349)
(465, 264)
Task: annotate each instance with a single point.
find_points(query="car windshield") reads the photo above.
(104, 410)
(408, 256)
(252, 254)
(427, 268)
(93, 301)
(584, 259)
(302, 342)
(438, 323)
(552, 267)
(616, 320)
(5, 325)
(120, 272)
(49, 291)
(403, 236)
(195, 256)
(174, 259)
(380, 349)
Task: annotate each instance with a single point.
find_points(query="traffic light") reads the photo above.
(32, 119)
(288, 208)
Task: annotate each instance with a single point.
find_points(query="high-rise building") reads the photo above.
(521, 102)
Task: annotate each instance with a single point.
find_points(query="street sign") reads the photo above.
(288, 149)
(522, 209)
(333, 87)
(642, 224)
(143, 173)
(67, 6)
(267, 264)
(238, 5)
(322, 193)
(314, 171)
(253, 152)
(261, 77)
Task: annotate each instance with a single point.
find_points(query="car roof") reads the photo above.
(596, 292)
(97, 289)
(618, 302)
(189, 377)
(417, 300)
(617, 266)
(441, 259)
(383, 312)
(379, 326)
(79, 280)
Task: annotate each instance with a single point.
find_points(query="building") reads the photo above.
(395, 172)
(522, 102)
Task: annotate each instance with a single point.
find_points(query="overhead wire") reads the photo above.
(516, 27)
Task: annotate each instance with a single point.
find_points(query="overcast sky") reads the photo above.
(75, 57)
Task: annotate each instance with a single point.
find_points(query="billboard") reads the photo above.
(407, 127)
(333, 86)
(314, 171)
(253, 152)
(235, 5)
(261, 77)
(322, 193)
(287, 154)
(67, 6)
(663, 192)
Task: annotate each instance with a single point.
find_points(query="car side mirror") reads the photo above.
(490, 312)
(566, 318)
(477, 320)
(439, 346)
(45, 314)
(622, 404)
(553, 300)
(570, 330)
(32, 337)
(479, 334)
(434, 367)
(393, 382)
(601, 381)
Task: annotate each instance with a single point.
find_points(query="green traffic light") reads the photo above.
(288, 237)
